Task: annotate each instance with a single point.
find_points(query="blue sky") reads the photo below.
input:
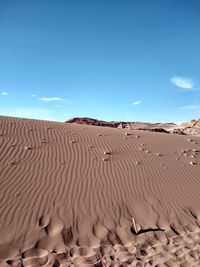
(136, 60)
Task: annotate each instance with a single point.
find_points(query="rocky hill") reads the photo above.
(187, 128)
(158, 127)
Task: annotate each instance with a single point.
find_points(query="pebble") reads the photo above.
(106, 153)
(27, 148)
(11, 163)
(141, 148)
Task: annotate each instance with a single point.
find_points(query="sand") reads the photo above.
(79, 195)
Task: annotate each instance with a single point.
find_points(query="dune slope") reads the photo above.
(79, 195)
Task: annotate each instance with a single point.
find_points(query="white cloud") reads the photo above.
(190, 107)
(182, 82)
(4, 93)
(33, 95)
(52, 99)
(138, 102)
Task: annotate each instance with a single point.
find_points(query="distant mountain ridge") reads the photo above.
(121, 124)
(187, 128)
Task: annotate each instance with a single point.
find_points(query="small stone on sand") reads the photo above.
(11, 163)
(27, 148)
(158, 154)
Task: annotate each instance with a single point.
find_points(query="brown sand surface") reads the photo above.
(79, 195)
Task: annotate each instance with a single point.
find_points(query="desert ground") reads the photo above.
(82, 195)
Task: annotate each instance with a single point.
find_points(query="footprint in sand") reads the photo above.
(44, 220)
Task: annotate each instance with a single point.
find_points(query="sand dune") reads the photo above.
(79, 195)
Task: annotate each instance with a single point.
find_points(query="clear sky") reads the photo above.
(132, 60)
